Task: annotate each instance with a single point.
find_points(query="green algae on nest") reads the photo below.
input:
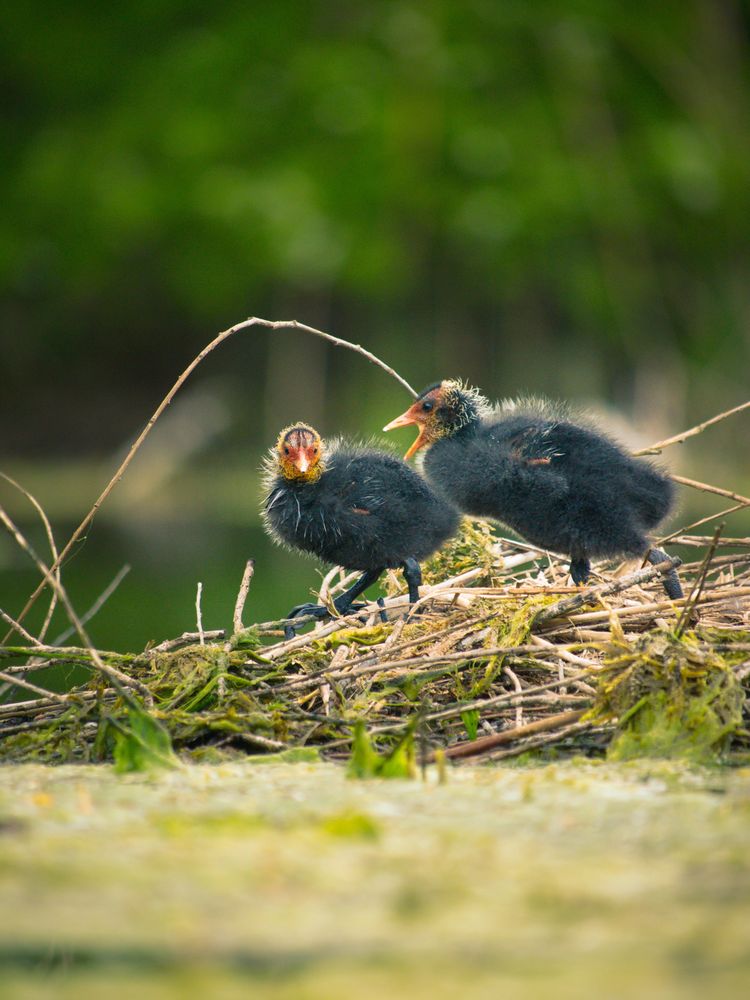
(446, 673)
(670, 697)
(473, 546)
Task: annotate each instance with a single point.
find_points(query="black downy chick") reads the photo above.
(560, 485)
(354, 507)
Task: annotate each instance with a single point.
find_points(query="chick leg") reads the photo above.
(580, 569)
(413, 577)
(344, 603)
(670, 580)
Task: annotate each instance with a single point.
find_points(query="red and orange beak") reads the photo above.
(301, 461)
(413, 415)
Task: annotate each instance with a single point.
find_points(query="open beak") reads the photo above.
(404, 421)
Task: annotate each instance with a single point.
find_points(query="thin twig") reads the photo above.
(117, 676)
(28, 686)
(219, 339)
(644, 610)
(484, 744)
(199, 614)
(655, 449)
(706, 488)
(593, 593)
(53, 550)
(97, 605)
(186, 639)
(700, 581)
(239, 604)
(519, 688)
(703, 520)
(18, 627)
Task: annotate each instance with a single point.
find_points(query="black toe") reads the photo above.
(303, 611)
(580, 570)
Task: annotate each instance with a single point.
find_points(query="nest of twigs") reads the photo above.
(503, 658)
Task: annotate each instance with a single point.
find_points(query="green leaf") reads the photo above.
(470, 720)
(366, 762)
(142, 743)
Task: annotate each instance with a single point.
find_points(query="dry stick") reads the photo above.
(199, 614)
(372, 665)
(655, 449)
(519, 688)
(63, 654)
(328, 588)
(592, 593)
(508, 699)
(45, 705)
(239, 604)
(474, 747)
(220, 338)
(97, 605)
(39, 664)
(186, 639)
(264, 742)
(18, 627)
(699, 583)
(705, 488)
(53, 550)
(19, 682)
(643, 610)
(535, 742)
(565, 654)
(117, 676)
(725, 541)
(703, 520)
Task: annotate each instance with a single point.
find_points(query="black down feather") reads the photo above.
(561, 486)
(367, 511)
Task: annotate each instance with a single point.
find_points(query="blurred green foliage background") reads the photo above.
(548, 197)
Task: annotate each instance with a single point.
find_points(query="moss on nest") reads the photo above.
(457, 672)
(473, 546)
(670, 696)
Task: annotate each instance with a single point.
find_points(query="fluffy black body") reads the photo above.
(367, 511)
(562, 486)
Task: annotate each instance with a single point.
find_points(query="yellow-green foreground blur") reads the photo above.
(290, 881)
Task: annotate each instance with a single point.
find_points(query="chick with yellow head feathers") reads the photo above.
(353, 506)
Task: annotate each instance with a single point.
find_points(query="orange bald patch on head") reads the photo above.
(299, 451)
(423, 413)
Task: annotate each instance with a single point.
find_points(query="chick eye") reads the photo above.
(427, 405)
(286, 451)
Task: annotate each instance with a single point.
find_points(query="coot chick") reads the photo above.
(353, 506)
(560, 485)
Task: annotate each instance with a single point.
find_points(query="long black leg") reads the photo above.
(670, 581)
(343, 603)
(413, 577)
(580, 569)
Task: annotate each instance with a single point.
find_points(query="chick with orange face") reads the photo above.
(353, 506)
(561, 485)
